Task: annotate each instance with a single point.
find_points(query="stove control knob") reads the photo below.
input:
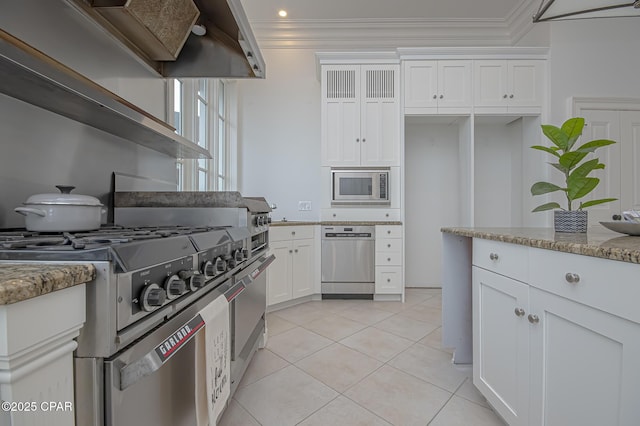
(208, 269)
(237, 255)
(152, 297)
(245, 253)
(197, 281)
(231, 262)
(175, 287)
(221, 265)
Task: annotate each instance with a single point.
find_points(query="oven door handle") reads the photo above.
(264, 264)
(155, 358)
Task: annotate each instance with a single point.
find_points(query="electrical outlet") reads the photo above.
(304, 205)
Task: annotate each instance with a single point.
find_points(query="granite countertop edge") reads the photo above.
(334, 223)
(605, 245)
(23, 281)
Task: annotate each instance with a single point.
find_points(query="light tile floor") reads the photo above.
(355, 362)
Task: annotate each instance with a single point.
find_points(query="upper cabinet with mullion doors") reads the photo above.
(509, 86)
(437, 87)
(360, 115)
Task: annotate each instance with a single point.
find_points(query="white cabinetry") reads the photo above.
(292, 274)
(37, 340)
(437, 87)
(388, 259)
(509, 86)
(360, 115)
(560, 348)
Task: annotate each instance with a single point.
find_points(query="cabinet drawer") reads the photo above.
(388, 279)
(503, 258)
(388, 231)
(388, 259)
(284, 233)
(389, 245)
(609, 285)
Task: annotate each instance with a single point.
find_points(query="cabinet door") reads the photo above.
(526, 80)
(388, 280)
(279, 273)
(303, 262)
(454, 85)
(340, 116)
(420, 85)
(490, 88)
(584, 365)
(501, 343)
(380, 110)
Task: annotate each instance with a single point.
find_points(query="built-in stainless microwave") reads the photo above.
(352, 186)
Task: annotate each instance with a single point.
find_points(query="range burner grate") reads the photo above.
(19, 239)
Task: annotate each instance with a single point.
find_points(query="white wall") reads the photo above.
(432, 200)
(279, 134)
(595, 57)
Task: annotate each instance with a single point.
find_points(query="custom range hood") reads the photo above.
(182, 38)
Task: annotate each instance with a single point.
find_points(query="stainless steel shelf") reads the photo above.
(31, 76)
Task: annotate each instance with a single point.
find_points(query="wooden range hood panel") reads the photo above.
(157, 27)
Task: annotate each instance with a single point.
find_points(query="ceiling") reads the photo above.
(382, 9)
(390, 23)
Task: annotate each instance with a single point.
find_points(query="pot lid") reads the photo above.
(64, 198)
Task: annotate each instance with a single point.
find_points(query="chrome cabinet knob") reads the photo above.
(364, 140)
(533, 319)
(493, 256)
(290, 251)
(357, 139)
(388, 280)
(441, 96)
(296, 250)
(510, 96)
(435, 96)
(519, 312)
(572, 278)
(389, 232)
(388, 259)
(505, 96)
(293, 232)
(388, 245)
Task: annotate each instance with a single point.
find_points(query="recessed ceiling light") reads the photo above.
(282, 13)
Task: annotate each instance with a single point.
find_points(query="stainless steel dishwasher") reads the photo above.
(348, 256)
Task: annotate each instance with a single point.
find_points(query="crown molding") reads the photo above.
(380, 33)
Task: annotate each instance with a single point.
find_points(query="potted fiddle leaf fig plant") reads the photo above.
(574, 164)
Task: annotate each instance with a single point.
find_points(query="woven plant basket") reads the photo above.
(570, 221)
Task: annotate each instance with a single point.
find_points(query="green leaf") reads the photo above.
(551, 150)
(593, 145)
(555, 135)
(540, 188)
(547, 206)
(596, 202)
(573, 129)
(584, 169)
(559, 167)
(571, 159)
(580, 187)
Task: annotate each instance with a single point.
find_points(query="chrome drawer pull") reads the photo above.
(572, 278)
(493, 256)
(519, 312)
(533, 319)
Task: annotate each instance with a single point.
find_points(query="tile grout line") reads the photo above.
(447, 401)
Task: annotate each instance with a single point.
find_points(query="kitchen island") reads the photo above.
(549, 321)
(42, 308)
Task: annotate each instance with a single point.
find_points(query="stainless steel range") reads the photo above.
(151, 282)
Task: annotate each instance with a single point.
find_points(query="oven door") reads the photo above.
(143, 391)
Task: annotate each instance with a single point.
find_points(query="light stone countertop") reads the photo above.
(333, 223)
(22, 281)
(596, 242)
